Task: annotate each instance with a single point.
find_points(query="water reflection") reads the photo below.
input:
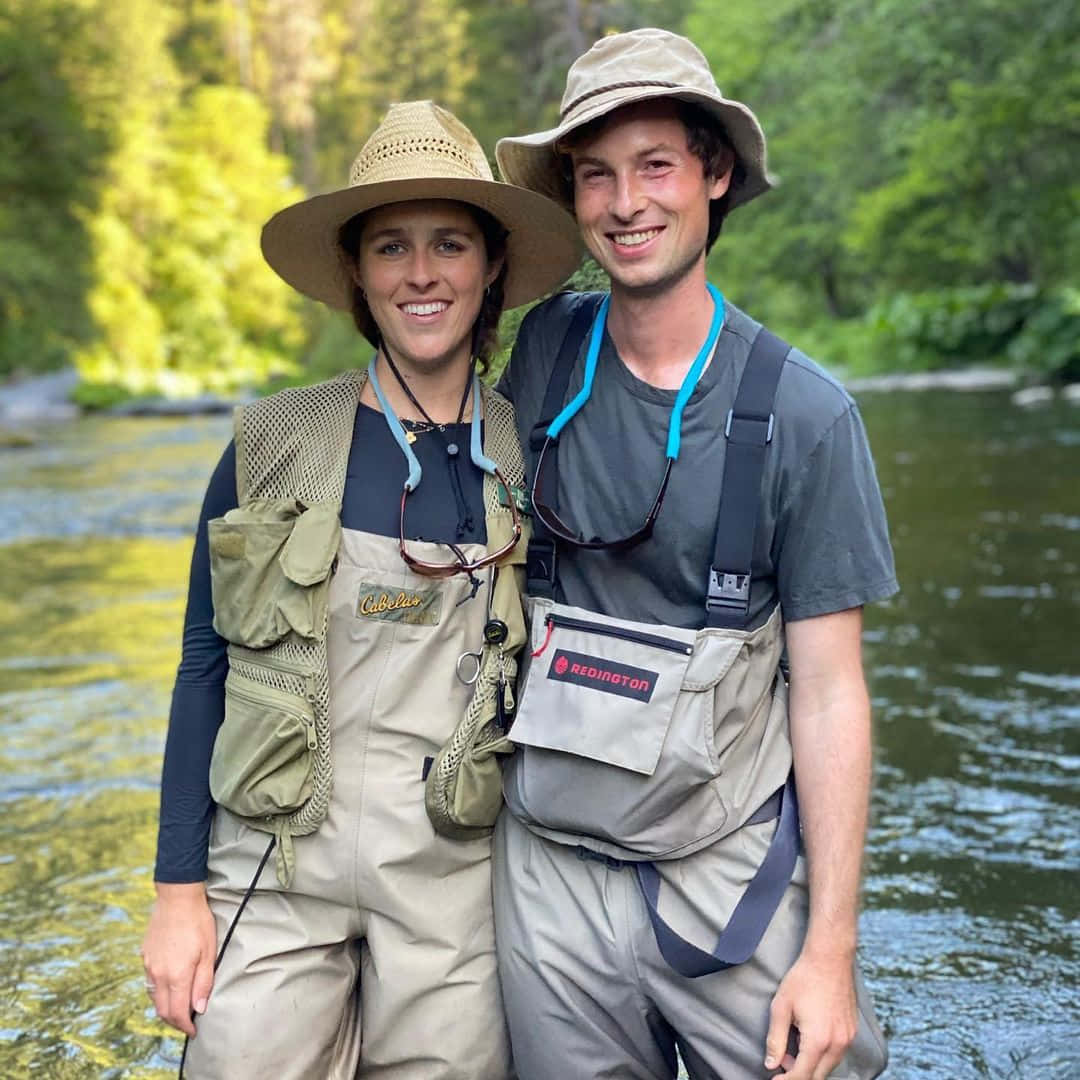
(969, 933)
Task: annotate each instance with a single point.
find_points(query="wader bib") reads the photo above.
(660, 756)
(371, 953)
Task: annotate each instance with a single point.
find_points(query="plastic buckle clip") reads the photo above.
(728, 591)
(732, 418)
(540, 563)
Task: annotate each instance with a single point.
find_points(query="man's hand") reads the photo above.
(178, 954)
(817, 997)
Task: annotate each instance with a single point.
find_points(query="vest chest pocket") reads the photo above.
(264, 751)
(270, 562)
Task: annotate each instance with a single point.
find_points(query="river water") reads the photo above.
(972, 896)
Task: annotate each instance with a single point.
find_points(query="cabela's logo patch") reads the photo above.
(419, 607)
(604, 675)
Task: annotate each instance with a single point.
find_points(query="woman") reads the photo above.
(353, 575)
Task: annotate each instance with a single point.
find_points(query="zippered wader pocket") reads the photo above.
(618, 728)
(601, 689)
(264, 751)
(270, 563)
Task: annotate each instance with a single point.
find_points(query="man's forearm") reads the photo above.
(830, 731)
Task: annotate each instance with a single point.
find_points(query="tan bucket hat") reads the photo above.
(421, 151)
(619, 70)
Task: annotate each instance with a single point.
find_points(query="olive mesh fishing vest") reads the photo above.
(295, 445)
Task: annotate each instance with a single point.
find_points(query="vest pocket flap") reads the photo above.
(262, 757)
(309, 551)
(602, 689)
(714, 655)
(269, 570)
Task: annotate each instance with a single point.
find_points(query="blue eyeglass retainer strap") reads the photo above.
(574, 406)
(476, 452)
(674, 438)
(690, 381)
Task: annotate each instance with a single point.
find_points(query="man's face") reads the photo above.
(642, 198)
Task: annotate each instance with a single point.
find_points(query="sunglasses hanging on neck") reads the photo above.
(546, 481)
(461, 564)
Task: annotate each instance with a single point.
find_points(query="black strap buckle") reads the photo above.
(540, 565)
(728, 591)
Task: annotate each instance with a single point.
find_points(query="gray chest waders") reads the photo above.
(748, 430)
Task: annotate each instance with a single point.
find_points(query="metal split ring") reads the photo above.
(466, 675)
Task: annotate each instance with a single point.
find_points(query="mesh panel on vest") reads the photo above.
(502, 446)
(295, 444)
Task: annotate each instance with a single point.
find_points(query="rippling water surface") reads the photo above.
(971, 902)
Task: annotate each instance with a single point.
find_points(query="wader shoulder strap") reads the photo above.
(748, 430)
(540, 558)
(744, 930)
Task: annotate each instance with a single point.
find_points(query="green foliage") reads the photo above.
(47, 154)
(589, 277)
(334, 345)
(926, 158)
(918, 149)
(183, 299)
(1000, 323)
(520, 50)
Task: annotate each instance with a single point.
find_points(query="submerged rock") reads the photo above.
(1033, 396)
(194, 406)
(14, 438)
(38, 399)
(957, 379)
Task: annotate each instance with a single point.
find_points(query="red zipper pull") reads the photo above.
(549, 622)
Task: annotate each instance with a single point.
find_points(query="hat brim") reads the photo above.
(530, 161)
(543, 245)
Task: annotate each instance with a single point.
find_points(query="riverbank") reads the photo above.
(47, 399)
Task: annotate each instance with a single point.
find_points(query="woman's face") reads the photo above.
(424, 268)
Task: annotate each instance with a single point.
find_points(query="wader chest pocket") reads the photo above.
(270, 565)
(262, 758)
(636, 769)
(602, 689)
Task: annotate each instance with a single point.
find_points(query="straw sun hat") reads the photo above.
(421, 151)
(622, 69)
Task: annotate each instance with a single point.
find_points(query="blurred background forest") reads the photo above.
(927, 214)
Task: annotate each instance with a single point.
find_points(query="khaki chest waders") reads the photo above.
(372, 947)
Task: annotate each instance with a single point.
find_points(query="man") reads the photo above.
(651, 894)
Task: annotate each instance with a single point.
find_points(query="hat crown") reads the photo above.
(419, 140)
(638, 58)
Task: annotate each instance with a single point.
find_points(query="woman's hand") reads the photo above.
(178, 954)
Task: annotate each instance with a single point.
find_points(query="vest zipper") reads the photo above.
(251, 656)
(619, 632)
(287, 702)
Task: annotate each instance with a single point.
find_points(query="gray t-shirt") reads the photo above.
(821, 540)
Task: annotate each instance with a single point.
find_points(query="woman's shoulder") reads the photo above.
(311, 399)
(300, 430)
